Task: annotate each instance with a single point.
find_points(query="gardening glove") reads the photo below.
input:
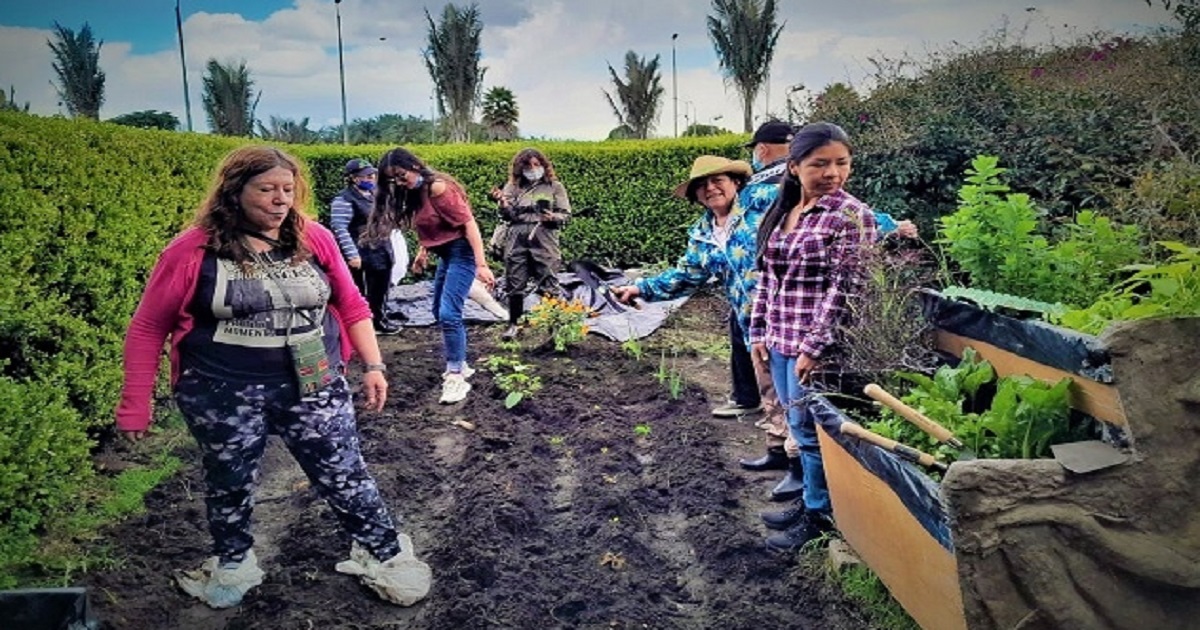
(222, 585)
(402, 579)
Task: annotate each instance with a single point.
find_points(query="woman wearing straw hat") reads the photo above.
(721, 244)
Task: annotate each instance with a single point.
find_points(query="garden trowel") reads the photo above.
(904, 452)
(923, 422)
(592, 276)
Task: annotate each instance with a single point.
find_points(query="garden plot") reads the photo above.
(602, 501)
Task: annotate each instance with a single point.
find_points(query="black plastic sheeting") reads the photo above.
(1064, 349)
(915, 489)
(415, 302)
(46, 609)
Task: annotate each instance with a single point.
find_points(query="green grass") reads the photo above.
(861, 585)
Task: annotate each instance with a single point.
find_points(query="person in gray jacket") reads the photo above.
(535, 205)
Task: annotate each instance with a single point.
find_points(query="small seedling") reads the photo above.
(513, 377)
(642, 430)
(556, 440)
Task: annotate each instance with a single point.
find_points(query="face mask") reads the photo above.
(366, 185)
(756, 163)
(533, 174)
(420, 181)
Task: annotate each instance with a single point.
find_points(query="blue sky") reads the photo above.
(551, 53)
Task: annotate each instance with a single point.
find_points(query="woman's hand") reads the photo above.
(760, 354)
(907, 229)
(805, 365)
(485, 275)
(419, 261)
(134, 436)
(627, 293)
(375, 389)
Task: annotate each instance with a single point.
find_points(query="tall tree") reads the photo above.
(639, 96)
(228, 98)
(453, 61)
(9, 102)
(287, 130)
(148, 119)
(500, 114)
(77, 64)
(744, 34)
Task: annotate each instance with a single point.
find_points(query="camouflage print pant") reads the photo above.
(230, 421)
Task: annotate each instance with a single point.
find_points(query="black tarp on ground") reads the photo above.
(1056, 347)
(915, 489)
(46, 609)
(415, 302)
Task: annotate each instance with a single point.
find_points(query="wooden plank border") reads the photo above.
(1097, 399)
(920, 573)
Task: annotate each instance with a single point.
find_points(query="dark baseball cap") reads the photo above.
(359, 167)
(772, 132)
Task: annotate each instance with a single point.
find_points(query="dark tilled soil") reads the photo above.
(555, 514)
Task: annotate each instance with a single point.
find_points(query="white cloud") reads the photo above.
(551, 53)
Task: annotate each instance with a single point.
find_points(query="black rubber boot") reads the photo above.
(810, 526)
(775, 459)
(792, 485)
(784, 519)
(516, 308)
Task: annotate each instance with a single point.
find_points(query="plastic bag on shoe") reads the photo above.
(222, 586)
(401, 580)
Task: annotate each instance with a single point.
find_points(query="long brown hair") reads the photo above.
(516, 176)
(395, 205)
(221, 214)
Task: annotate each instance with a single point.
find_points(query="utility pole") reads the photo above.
(187, 100)
(342, 72)
(675, 83)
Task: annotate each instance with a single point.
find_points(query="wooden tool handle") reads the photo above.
(888, 444)
(923, 422)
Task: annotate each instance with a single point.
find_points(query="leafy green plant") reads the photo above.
(994, 239)
(1169, 289)
(669, 374)
(633, 347)
(1003, 302)
(641, 430)
(1024, 417)
(514, 377)
(564, 322)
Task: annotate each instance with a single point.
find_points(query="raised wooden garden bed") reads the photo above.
(1026, 543)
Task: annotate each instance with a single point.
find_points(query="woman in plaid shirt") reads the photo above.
(808, 249)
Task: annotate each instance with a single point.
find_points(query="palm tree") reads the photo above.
(227, 98)
(287, 130)
(8, 102)
(744, 34)
(639, 95)
(453, 62)
(77, 64)
(500, 113)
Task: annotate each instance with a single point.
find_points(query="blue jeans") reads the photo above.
(455, 273)
(804, 431)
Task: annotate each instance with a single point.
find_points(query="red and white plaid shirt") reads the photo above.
(807, 275)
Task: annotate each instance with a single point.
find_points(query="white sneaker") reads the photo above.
(401, 580)
(222, 585)
(454, 388)
(467, 372)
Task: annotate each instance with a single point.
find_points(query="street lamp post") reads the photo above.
(675, 83)
(342, 72)
(187, 100)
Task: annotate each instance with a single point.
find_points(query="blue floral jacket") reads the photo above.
(733, 265)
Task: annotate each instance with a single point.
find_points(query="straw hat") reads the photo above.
(706, 165)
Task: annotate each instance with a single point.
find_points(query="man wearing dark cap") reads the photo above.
(370, 267)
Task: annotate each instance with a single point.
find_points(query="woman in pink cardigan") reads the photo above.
(262, 317)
